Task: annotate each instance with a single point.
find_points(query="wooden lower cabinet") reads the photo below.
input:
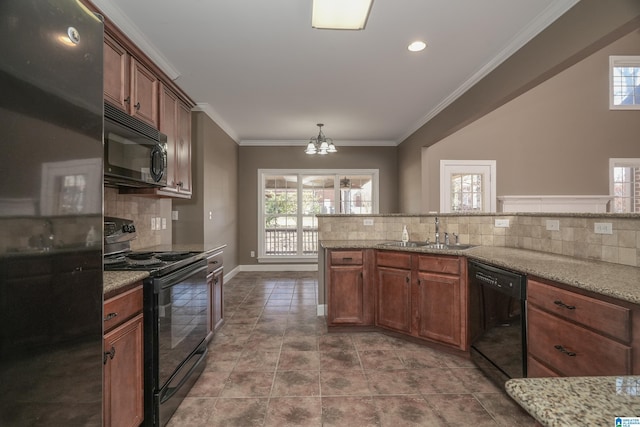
(439, 308)
(423, 296)
(571, 334)
(215, 279)
(123, 387)
(349, 293)
(394, 299)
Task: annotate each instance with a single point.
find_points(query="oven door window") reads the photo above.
(182, 321)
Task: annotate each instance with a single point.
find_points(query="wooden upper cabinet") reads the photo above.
(129, 84)
(175, 122)
(116, 73)
(183, 149)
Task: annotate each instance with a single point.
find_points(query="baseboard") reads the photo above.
(230, 275)
(279, 267)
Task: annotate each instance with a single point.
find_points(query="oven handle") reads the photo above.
(167, 392)
(178, 276)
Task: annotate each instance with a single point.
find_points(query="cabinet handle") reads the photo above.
(179, 183)
(137, 106)
(407, 279)
(563, 350)
(127, 100)
(110, 316)
(561, 304)
(347, 259)
(110, 354)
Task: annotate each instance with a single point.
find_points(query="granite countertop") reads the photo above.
(577, 401)
(613, 280)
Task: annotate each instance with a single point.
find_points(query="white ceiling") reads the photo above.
(266, 77)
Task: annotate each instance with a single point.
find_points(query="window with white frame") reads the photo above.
(467, 186)
(290, 199)
(624, 82)
(624, 183)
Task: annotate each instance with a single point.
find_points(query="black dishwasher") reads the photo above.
(497, 321)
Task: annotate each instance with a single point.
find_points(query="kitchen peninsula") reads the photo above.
(599, 271)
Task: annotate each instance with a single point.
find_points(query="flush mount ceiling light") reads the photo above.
(340, 14)
(417, 46)
(320, 144)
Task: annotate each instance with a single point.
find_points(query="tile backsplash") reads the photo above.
(574, 236)
(141, 210)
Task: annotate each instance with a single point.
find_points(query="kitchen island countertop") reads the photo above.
(577, 401)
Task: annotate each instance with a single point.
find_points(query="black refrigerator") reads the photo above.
(51, 221)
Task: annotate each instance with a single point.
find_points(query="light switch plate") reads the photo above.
(502, 223)
(368, 221)
(553, 225)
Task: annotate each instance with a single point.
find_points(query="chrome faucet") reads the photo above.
(437, 231)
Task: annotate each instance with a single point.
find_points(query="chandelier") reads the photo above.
(320, 144)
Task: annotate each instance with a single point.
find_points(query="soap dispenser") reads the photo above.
(405, 234)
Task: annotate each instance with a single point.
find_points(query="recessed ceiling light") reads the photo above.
(417, 46)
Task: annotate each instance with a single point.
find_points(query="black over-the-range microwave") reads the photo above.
(135, 154)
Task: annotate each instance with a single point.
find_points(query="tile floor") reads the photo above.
(274, 364)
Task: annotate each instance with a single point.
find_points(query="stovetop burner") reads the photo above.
(156, 263)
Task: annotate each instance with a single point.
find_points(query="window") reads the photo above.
(624, 185)
(467, 186)
(290, 199)
(624, 87)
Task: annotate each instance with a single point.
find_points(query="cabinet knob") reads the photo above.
(110, 316)
(137, 106)
(127, 100)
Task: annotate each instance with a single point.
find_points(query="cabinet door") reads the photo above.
(394, 299)
(123, 375)
(168, 126)
(346, 296)
(439, 308)
(183, 149)
(144, 93)
(116, 74)
(217, 299)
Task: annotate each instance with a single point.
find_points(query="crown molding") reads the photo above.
(301, 142)
(115, 14)
(206, 108)
(542, 21)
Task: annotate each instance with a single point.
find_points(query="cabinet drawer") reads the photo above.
(536, 369)
(346, 257)
(122, 307)
(573, 350)
(394, 259)
(214, 262)
(610, 319)
(439, 264)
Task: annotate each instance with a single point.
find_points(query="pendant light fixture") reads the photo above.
(320, 144)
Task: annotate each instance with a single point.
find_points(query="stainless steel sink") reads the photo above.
(454, 247)
(405, 244)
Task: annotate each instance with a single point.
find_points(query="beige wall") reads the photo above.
(563, 44)
(293, 157)
(556, 139)
(214, 161)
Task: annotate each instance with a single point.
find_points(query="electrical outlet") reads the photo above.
(368, 221)
(253, 254)
(174, 215)
(603, 228)
(553, 225)
(153, 223)
(502, 223)
(164, 223)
